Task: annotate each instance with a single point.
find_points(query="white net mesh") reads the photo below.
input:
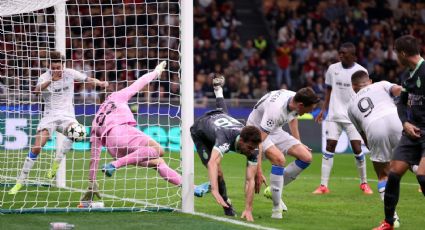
(117, 41)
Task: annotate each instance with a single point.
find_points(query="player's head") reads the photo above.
(56, 61)
(305, 100)
(249, 139)
(347, 54)
(406, 46)
(359, 80)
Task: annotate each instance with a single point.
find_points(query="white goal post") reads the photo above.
(113, 40)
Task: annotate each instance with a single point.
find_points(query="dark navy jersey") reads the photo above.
(412, 98)
(219, 131)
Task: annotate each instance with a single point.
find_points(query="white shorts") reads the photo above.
(281, 139)
(52, 123)
(334, 130)
(383, 136)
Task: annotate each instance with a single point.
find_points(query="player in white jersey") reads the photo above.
(272, 111)
(374, 114)
(57, 89)
(338, 95)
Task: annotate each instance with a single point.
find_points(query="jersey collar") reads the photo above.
(417, 67)
(236, 143)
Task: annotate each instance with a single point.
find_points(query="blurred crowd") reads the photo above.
(109, 42)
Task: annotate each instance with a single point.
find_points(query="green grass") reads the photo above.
(344, 208)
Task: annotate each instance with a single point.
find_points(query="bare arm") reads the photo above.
(96, 82)
(249, 192)
(259, 177)
(293, 127)
(325, 105)
(213, 176)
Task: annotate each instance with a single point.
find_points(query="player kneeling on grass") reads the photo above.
(374, 114)
(115, 128)
(216, 133)
(57, 89)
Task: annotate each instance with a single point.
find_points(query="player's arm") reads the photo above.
(396, 90)
(409, 128)
(97, 82)
(251, 170)
(92, 190)
(353, 120)
(259, 176)
(213, 165)
(325, 105)
(42, 84)
(293, 127)
(128, 92)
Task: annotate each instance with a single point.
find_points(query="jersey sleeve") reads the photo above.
(78, 76)
(222, 144)
(387, 86)
(44, 77)
(328, 77)
(270, 120)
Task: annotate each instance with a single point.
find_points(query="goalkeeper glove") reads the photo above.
(92, 191)
(218, 80)
(160, 67)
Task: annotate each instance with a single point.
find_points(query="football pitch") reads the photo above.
(344, 208)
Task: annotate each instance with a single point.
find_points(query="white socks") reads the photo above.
(276, 184)
(327, 164)
(361, 167)
(28, 164)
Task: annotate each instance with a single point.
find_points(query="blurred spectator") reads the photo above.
(283, 59)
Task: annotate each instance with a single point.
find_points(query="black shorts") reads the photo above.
(410, 150)
(202, 147)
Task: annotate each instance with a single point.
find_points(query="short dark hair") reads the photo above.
(251, 134)
(358, 76)
(349, 45)
(56, 56)
(306, 96)
(407, 44)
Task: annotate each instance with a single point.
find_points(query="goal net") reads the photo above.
(113, 40)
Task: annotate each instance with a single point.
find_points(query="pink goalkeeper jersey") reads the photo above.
(113, 112)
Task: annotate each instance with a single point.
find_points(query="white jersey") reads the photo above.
(370, 104)
(340, 80)
(58, 97)
(272, 111)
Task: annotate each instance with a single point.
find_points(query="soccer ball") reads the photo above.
(76, 132)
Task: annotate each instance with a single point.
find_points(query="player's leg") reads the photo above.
(333, 131)
(64, 148)
(277, 160)
(40, 140)
(356, 144)
(204, 152)
(404, 155)
(420, 175)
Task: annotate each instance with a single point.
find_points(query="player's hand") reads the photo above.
(103, 84)
(219, 199)
(411, 130)
(247, 215)
(160, 67)
(319, 117)
(259, 180)
(92, 191)
(308, 148)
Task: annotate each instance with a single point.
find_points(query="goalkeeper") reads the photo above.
(114, 128)
(216, 133)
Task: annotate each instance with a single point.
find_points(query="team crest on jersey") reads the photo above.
(205, 155)
(270, 123)
(418, 83)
